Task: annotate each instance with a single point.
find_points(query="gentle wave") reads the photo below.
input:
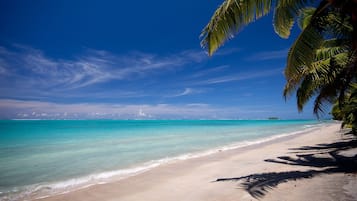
(43, 190)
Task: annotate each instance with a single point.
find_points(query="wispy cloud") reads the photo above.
(191, 55)
(187, 91)
(19, 109)
(209, 71)
(240, 77)
(30, 69)
(226, 51)
(268, 55)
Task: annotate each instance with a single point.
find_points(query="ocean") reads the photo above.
(39, 158)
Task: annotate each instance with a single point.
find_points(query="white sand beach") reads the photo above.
(309, 166)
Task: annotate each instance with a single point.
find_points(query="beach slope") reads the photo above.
(318, 165)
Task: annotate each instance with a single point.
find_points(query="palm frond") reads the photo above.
(305, 91)
(230, 18)
(327, 95)
(302, 52)
(312, 38)
(310, 81)
(305, 16)
(318, 71)
(337, 24)
(321, 68)
(285, 13)
(335, 84)
(331, 48)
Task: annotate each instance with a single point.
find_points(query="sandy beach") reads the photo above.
(319, 165)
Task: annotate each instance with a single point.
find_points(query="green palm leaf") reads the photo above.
(285, 13)
(305, 17)
(322, 60)
(327, 95)
(229, 19)
(302, 52)
(331, 48)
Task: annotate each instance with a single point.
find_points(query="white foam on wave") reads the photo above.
(49, 189)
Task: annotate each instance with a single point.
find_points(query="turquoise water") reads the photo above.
(39, 158)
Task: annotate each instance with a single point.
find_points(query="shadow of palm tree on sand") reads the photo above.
(322, 158)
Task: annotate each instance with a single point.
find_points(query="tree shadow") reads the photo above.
(344, 144)
(322, 159)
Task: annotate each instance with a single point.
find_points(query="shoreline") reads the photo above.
(159, 174)
(46, 190)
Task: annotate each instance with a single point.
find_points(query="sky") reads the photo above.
(136, 60)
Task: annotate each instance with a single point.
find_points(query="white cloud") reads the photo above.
(142, 114)
(240, 77)
(186, 91)
(209, 71)
(15, 109)
(192, 55)
(33, 69)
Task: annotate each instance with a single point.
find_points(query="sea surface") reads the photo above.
(39, 158)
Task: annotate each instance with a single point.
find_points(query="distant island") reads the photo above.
(273, 118)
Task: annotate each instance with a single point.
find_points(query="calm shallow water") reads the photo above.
(39, 157)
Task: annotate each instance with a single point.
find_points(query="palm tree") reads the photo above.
(232, 15)
(325, 68)
(322, 60)
(348, 112)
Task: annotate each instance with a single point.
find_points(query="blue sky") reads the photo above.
(136, 60)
